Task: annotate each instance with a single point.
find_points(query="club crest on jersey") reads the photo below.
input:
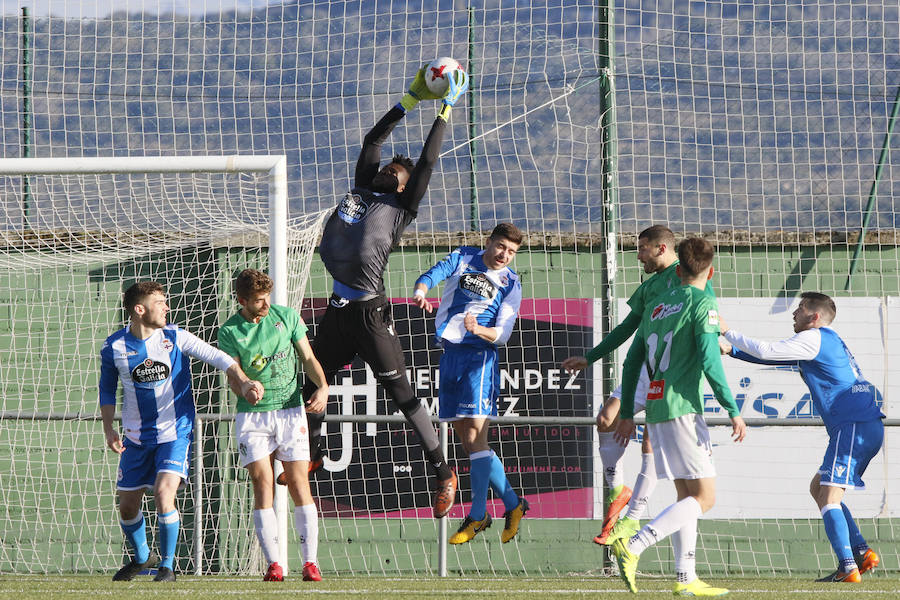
(477, 286)
(150, 372)
(661, 311)
(166, 344)
(352, 209)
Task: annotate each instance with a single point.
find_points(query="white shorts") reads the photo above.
(681, 448)
(640, 392)
(282, 431)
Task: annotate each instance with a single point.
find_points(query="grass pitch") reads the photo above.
(91, 587)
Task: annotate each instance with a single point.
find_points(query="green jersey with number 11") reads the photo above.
(677, 342)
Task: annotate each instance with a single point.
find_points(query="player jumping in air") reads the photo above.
(677, 344)
(356, 243)
(656, 252)
(152, 360)
(477, 313)
(847, 404)
(266, 340)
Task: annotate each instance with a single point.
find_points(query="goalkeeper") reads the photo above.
(847, 404)
(355, 247)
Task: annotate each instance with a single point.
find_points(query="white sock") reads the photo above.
(306, 522)
(668, 522)
(611, 456)
(684, 542)
(643, 487)
(266, 524)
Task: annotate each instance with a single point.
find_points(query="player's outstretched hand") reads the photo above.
(114, 443)
(318, 401)
(738, 429)
(624, 431)
(422, 302)
(419, 88)
(459, 83)
(574, 364)
(724, 346)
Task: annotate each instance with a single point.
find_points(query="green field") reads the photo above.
(506, 588)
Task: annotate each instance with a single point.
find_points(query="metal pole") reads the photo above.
(474, 216)
(442, 523)
(27, 124)
(885, 147)
(198, 495)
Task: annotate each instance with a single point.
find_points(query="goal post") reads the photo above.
(89, 228)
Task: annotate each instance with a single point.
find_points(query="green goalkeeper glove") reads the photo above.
(418, 90)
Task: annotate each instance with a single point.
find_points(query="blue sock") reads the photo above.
(857, 541)
(500, 484)
(838, 534)
(480, 473)
(168, 537)
(136, 534)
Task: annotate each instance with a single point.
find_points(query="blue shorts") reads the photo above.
(469, 384)
(850, 449)
(139, 465)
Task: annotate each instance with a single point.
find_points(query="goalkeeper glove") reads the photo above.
(418, 90)
(454, 92)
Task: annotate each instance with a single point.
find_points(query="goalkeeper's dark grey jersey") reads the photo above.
(359, 236)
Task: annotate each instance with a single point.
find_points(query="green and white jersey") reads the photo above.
(267, 354)
(677, 343)
(659, 283)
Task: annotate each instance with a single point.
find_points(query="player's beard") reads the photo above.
(384, 183)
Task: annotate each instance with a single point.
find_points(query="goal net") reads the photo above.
(73, 241)
(764, 126)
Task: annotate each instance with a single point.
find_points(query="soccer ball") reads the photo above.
(437, 73)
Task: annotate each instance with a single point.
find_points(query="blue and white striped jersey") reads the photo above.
(157, 400)
(839, 391)
(493, 297)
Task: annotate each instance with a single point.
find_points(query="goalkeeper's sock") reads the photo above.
(684, 546)
(265, 522)
(136, 533)
(668, 522)
(643, 487)
(169, 524)
(856, 539)
(839, 535)
(480, 475)
(501, 485)
(306, 522)
(611, 454)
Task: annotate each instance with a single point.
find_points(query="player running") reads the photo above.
(656, 252)
(477, 313)
(152, 360)
(847, 404)
(677, 344)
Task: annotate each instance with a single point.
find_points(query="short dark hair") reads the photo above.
(695, 256)
(135, 294)
(250, 282)
(658, 234)
(507, 231)
(405, 161)
(820, 303)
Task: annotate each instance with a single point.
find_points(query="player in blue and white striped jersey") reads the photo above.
(152, 360)
(477, 312)
(848, 406)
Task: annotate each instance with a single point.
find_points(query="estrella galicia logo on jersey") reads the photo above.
(150, 371)
(661, 311)
(477, 286)
(352, 209)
